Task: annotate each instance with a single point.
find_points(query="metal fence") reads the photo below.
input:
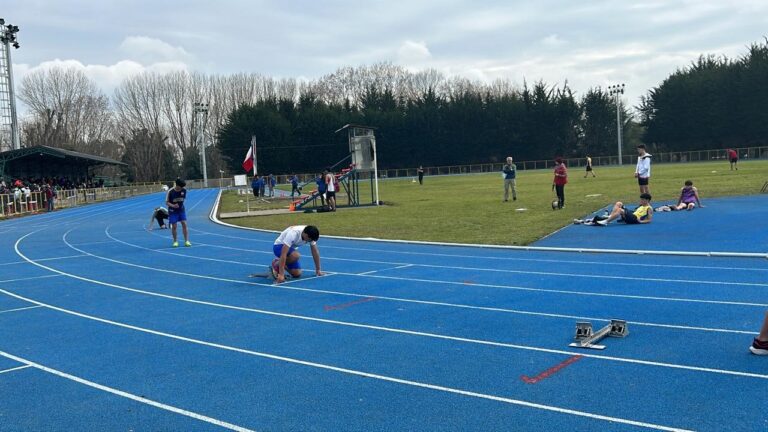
(745, 153)
(14, 204)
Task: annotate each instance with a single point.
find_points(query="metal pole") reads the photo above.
(201, 112)
(375, 170)
(15, 140)
(618, 124)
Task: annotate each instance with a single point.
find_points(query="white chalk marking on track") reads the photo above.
(124, 394)
(385, 269)
(313, 365)
(16, 368)
(46, 259)
(28, 278)
(19, 309)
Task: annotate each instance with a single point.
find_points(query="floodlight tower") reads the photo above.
(8, 119)
(201, 115)
(617, 90)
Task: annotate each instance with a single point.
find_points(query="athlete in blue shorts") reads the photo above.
(288, 257)
(175, 202)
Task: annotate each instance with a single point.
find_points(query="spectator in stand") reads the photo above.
(50, 197)
(559, 182)
(733, 156)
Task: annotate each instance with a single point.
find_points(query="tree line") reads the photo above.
(423, 118)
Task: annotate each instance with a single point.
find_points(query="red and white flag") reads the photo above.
(249, 163)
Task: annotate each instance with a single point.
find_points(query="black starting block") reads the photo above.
(586, 338)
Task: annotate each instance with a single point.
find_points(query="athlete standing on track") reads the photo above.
(176, 213)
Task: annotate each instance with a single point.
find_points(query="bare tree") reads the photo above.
(67, 109)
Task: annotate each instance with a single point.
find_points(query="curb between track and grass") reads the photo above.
(213, 216)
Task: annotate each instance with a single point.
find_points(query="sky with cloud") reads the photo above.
(588, 43)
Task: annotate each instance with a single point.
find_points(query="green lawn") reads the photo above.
(469, 209)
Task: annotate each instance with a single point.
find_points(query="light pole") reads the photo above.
(201, 115)
(617, 90)
(221, 179)
(8, 39)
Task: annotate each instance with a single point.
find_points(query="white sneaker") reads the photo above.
(603, 222)
(578, 221)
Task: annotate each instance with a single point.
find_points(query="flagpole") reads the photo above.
(253, 152)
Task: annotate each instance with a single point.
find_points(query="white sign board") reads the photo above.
(241, 180)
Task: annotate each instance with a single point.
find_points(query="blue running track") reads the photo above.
(104, 326)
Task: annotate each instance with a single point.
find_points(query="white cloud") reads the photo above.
(151, 50)
(413, 53)
(553, 40)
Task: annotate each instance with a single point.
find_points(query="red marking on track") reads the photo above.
(469, 282)
(551, 371)
(346, 305)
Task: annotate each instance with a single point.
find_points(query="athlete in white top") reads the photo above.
(643, 169)
(285, 249)
(330, 192)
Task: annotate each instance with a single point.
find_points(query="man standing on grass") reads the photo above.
(589, 168)
(643, 169)
(733, 156)
(285, 249)
(510, 175)
(174, 200)
(330, 187)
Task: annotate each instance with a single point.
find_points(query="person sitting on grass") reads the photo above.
(288, 257)
(643, 214)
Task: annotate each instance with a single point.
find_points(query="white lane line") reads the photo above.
(486, 269)
(496, 258)
(93, 243)
(318, 366)
(380, 328)
(385, 269)
(44, 259)
(28, 278)
(432, 281)
(125, 394)
(19, 309)
(16, 368)
(432, 303)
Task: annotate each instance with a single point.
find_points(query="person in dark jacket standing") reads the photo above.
(559, 182)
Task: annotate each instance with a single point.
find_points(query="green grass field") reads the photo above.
(469, 209)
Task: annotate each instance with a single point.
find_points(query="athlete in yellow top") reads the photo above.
(643, 214)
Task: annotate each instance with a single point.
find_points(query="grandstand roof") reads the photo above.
(80, 158)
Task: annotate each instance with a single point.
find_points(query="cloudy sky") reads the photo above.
(589, 43)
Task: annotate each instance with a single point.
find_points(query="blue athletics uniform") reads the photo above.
(176, 197)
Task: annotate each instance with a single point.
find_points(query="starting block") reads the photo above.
(586, 338)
